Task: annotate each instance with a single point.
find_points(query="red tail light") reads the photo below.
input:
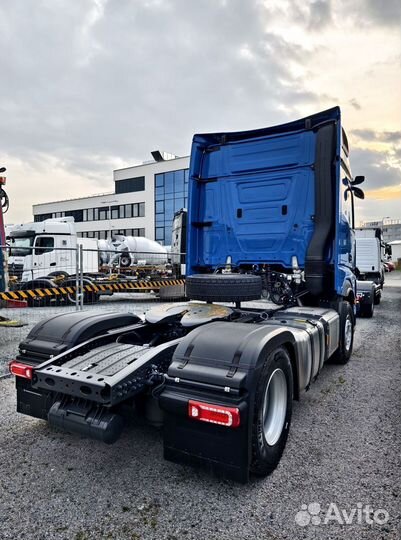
(20, 370)
(215, 414)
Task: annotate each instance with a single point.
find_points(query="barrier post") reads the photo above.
(81, 277)
(76, 277)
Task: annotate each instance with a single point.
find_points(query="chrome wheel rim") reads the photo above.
(348, 333)
(274, 407)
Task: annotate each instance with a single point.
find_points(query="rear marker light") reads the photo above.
(214, 414)
(20, 370)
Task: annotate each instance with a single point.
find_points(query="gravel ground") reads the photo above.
(344, 449)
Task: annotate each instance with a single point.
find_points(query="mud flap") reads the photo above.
(218, 365)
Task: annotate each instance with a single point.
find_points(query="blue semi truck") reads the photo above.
(269, 210)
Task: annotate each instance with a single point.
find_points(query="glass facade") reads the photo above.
(171, 194)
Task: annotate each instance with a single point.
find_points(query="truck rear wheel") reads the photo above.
(378, 297)
(223, 287)
(347, 325)
(272, 412)
(367, 310)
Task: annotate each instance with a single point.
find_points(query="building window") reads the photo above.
(138, 209)
(129, 185)
(78, 215)
(135, 232)
(128, 210)
(171, 194)
(159, 234)
(114, 212)
(42, 217)
(103, 213)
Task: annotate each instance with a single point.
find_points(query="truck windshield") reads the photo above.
(20, 246)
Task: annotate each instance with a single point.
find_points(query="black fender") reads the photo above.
(62, 332)
(218, 363)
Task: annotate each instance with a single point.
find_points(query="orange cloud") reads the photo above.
(385, 193)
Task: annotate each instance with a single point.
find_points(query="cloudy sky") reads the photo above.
(92, 85)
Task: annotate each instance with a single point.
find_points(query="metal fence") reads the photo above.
(44, 282)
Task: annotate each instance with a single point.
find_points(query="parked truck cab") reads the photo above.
(42, 248)
(269, 209)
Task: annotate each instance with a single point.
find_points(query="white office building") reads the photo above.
(143, 202)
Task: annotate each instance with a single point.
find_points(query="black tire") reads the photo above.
(367, 310)
(378, 297)
(347, 322)
(125, 260)
(223, 287)
(267, 454)
(172, 293)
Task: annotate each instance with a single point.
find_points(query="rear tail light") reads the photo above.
(20, 370)
(214, 414)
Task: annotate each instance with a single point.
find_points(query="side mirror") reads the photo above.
(359, 194)
(358, 180)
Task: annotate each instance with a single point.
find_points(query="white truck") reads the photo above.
(48, 248)
(370, 255)
(43, 266)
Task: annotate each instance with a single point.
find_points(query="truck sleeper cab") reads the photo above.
(39, 250)
(220, 377)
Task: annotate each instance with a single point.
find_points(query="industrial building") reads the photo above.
(391, 228)
(143, 202)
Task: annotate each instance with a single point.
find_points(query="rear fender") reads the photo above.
(59, 333)
(349, 287)
(218, 364)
